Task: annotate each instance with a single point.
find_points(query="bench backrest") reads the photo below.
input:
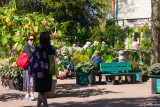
(115, 66)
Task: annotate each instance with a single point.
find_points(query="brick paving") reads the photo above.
(68, 94)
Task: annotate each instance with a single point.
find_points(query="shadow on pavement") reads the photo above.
(73, 90)
(68, 86)
(75, 86)
(118, 102)
(11, 96)
(81, 93)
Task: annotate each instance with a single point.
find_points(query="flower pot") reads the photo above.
(155, 84)
(83, 78)
(51, 94)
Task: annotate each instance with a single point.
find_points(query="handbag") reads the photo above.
(53, 69)
(23, 60)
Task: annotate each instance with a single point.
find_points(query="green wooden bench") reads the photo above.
(110, 70)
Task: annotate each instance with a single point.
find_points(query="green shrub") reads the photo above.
(8, 72)
(154, 69)
(145, 44)
(120, 45)
(142, 58)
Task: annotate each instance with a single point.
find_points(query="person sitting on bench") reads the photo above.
(97, 59)
(120, 57)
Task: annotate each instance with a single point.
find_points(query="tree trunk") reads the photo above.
(3, 2)
(155, 38)
(32, 6)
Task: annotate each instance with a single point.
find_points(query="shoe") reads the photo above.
(32, 98)
(26, 96)
(62, 78)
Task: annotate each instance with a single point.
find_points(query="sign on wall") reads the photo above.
(134, 22)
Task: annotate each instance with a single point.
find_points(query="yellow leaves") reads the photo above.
(5, 13)
(25, 26)
(30, 26)
(13, 9)
(9, 23)
(7, 19)
(1, 18)
(36, 29)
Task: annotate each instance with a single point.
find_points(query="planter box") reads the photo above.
(51, 94)
(83, 78)
(138, 76)
(155, 84)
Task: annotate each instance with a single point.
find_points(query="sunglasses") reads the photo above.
(32, 39)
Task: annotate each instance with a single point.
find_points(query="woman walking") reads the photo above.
(39, 68)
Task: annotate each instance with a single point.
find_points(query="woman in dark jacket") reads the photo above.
(39, 68)
(28, 83)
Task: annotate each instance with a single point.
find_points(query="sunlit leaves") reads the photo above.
(35, 29)
(19, 47)
(4, 40)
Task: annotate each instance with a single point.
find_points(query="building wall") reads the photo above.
(134, 9)
(133, 13)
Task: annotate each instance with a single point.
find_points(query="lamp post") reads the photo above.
(116, 12)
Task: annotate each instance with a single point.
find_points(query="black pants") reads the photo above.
(42, 99)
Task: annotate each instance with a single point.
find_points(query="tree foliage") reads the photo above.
(15, 28)
(78, 16)
(111, 34)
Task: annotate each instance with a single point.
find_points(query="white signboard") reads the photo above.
(134, 9)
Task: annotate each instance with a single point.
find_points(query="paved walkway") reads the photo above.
(68, 94)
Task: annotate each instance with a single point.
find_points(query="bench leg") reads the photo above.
(100, 78)
(140, 77)
(132, 79)
(120, 77)
(126, 79)
(106, 78)
(110, 80)
(113, 80)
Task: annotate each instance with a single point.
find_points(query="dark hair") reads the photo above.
(135, 39)
(45, 39)
(30, 35)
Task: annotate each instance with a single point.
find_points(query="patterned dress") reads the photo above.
(28, 82)
(39, 68)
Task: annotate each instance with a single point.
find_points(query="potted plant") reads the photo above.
(154, 74)
(84, 70)
(12, 76)
(83, 67)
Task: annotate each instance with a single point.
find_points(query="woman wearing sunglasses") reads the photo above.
(28, 83)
